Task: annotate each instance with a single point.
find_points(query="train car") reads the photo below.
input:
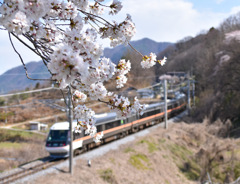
(57, 143)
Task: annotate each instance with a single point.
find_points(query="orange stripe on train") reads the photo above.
(130, 124)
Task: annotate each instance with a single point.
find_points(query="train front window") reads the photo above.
(57, 135)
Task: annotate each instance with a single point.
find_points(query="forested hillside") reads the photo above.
(213, 59)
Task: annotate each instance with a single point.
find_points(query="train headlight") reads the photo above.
(62, 144)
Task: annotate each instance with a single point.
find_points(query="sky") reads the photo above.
(159, 20)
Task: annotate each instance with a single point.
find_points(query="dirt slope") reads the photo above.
(170, 156)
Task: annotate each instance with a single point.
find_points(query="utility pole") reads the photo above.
(193, 92)
(70, 120)
(189, 99)
(165, 103)
(6, 116)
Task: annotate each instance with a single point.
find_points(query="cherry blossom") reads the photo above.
(98, 137)
(65, 34)
(116, 6)
(123, 68)
(79, 96)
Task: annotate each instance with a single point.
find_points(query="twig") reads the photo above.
(104, 102)
(101, 4)
(135, 49)
(92, 15)
(25, 68)
(63, 97)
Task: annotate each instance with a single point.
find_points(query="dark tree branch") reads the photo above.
(25, 68)
(135, 49)
(102, 4)
(63, 97)
(21, 42)
(92, 15)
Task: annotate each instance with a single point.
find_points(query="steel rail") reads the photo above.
(28, 171)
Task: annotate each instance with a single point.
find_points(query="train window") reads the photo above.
(109, 125)
(118, 123)
(151, 113)
(113, 124)
(57, 135)
(76, 135)
(99, 128)
(142, 116)
(131, 119)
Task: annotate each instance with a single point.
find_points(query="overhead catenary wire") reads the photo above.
(27, 92)
(17, 74)
(174, 88)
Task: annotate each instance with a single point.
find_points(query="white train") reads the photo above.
(57, 143)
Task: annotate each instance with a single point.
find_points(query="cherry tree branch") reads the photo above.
(92, 15)
(25, 68)
(135, 49)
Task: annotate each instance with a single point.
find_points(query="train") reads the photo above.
(57, 143)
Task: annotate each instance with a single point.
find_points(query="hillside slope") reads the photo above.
(15, 79)
(145, 46)
(172, 156)
(213, 61)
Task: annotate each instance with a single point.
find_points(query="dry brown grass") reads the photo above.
(165, 157)
(25, 148)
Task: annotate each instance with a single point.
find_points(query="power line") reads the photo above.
(16, 74)
(26, 92)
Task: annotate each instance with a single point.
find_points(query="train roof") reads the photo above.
(158, 104)
(99, 119)
(62, 125)
(105, 117)
(102, 118)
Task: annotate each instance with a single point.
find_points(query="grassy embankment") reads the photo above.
(18, 147)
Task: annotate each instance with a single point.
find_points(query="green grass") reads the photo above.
(128, 150)
(183, 158)
(237, 170)
(161, 141)
(152, 146)
(180, 151)
(18, 136)
(218, 175)
(191, 170)
(165, 156)
(167, 182)
(112, 160)
(10, 145)
(107, 175)
(139, 161)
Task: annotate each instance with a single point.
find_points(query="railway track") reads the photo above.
(47, 162)
(29, 170)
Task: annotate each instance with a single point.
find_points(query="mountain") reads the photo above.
(15, 79)
(145, 46)
(213, 61)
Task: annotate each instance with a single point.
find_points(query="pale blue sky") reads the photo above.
(222, 6)
(160, 20)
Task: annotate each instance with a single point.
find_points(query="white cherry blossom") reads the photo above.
(79, 96)
(65, 35)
